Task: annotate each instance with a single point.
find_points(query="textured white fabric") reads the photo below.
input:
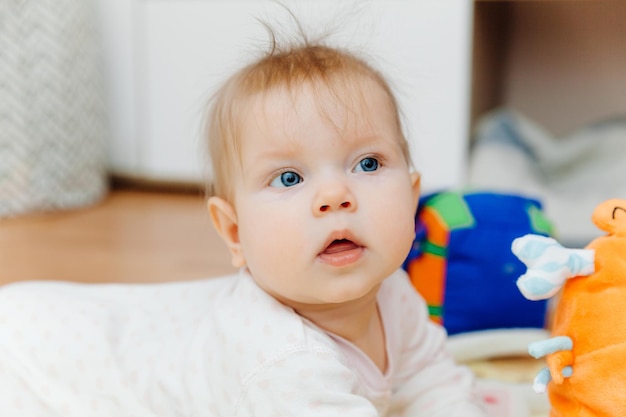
(53, 122)
(217, 347)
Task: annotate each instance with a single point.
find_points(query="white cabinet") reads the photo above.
(163, 58)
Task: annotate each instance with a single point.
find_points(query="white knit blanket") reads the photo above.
(102, 350)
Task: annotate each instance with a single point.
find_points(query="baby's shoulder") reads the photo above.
(257, 335)
(247, 314)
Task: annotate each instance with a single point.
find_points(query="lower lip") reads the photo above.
(343, 258)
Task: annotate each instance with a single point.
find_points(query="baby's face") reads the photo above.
(325, 202)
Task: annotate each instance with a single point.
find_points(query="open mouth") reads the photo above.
(341, 245)
(341, 252)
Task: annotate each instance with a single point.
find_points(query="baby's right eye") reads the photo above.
(286, 179)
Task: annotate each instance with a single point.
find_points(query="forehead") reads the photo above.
(345, 106)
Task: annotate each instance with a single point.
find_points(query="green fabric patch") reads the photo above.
(429, 247)
(435, 311)
(454, 210)
(538, 221)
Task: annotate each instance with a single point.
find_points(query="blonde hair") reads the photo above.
(288, 67)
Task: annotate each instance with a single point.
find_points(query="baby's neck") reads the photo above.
(359, 322)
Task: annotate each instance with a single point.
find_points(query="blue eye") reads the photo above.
(367, 165)
(286, 179)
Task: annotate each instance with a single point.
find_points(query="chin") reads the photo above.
(352, 293)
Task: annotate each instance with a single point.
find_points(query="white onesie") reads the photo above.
(215, 347)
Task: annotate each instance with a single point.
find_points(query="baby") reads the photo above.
(315, 198)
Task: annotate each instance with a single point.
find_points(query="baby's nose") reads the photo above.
(334, 196)
(345, 205)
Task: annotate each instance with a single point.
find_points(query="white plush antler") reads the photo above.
(549, 265)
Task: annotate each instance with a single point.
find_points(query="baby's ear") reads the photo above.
(416, 184)
(224, 219)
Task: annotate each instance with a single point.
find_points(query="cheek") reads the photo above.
(270, 233)
(397, 219)
(401, 233)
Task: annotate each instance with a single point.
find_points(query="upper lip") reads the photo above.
(340, 235)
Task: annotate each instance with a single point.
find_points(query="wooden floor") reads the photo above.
(131, 236)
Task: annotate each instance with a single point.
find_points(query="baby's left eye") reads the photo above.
(368, 164)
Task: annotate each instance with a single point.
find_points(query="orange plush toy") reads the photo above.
(586, 357)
